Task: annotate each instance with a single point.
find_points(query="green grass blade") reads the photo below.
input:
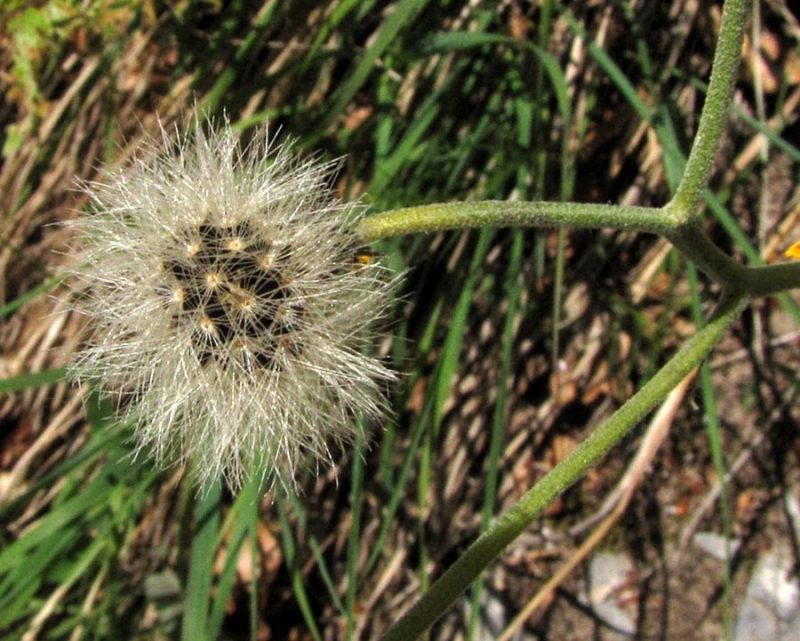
(243, 517)
(37, 379)
(514, 289)
(201, 566)
(295, 572)
(403, 13)
(353, 540)
(47, 286)
(714, 431)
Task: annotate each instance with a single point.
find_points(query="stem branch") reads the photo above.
(687, 236)
(485, 549)
(499, 213)
(689, 193)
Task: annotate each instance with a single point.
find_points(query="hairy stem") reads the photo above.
(771, 279)
(500, 213)
(485, 549)
(698, 168)
(687, 236)
(693, 242)
(677, 221)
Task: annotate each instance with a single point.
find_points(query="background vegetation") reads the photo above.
(511, 344)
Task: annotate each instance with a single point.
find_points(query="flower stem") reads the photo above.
(686, 235)
(485, 549)
(710, 259)
(678, 222)
(499, 213)
(772, 279)
(698, 168)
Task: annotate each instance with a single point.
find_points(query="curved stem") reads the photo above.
(499, 213)
(485, 549)
(676, 222)
(710, 259)
(687, 236)
(689, 193)
(771, 279)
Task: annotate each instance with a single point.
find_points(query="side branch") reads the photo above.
(689, 193)
(771, 279)
(459, 576)
(500, 213)
(687, 237)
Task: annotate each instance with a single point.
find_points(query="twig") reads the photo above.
(614, 506)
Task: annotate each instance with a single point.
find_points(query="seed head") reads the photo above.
(232, 304)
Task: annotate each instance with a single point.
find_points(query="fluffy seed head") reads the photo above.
(231, 305)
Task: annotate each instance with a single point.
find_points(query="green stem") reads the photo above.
(688, 237)
(696, 175)
(499, 213)
(487, 547)
(710, 259)
(676, 222)
(771, 279)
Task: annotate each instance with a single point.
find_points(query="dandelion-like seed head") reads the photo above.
(232, 303)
